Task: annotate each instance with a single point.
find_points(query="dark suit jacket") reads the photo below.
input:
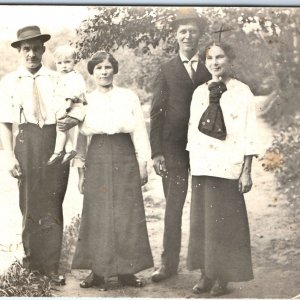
(170, 110)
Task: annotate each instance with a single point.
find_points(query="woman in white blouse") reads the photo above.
(113, 238)
(221, 141)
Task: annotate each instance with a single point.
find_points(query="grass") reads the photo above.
(19, 282)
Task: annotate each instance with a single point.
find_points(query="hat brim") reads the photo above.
(184, 20)
(42, 37)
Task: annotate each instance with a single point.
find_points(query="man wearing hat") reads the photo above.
(173, 88)
(27, 96)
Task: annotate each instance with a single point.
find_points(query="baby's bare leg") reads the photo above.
(61, 138)
(70, 145)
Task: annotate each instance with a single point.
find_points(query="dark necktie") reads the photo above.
(191, 70)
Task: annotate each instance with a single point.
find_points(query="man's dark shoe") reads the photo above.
(131, 280)
(204, 285)
(93, 280)
(219, 288)
(56, 279)
(162, 273)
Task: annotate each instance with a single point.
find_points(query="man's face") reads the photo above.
(188, 35)
(32, 52)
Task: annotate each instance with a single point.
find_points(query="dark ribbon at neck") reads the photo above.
(212, 121)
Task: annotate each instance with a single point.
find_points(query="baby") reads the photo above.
(72, 89)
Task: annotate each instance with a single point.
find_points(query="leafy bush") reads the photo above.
(283, 107)
(19, 282)
(283, 158)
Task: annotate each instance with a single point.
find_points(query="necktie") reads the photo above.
(39, 111)
(191, 70)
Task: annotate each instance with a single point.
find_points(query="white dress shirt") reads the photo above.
(193, 62)
(213, 157)
(117, 111)
(16, 89)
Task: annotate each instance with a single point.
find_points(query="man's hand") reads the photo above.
(65, 123)
(159, 165)
(14, 168)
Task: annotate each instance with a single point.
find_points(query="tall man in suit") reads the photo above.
(170, 111)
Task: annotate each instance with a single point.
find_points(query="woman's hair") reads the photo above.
(65, 51)
(225, 47)
(98, 58)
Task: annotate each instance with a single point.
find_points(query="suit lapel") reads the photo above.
(202, 74)
(199, 69)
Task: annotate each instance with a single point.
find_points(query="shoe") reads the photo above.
(54, 158)
(68, 156)
(56, 278)
(161, 274)
(204, 285)
(131, 280)
(219, 288)
(93, 280)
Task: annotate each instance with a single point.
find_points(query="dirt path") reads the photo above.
(276, 258)
(274, 236)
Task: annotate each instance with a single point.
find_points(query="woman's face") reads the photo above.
(217, 62)
(104, 73)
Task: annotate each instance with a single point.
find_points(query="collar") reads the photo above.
(183, 58)
(229, 84)
(43, 71)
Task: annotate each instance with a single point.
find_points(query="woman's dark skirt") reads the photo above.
(219, 242)
(113, 236)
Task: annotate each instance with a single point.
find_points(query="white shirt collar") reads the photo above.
(195, 58)
(43, 71)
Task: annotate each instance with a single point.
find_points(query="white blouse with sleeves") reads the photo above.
(213, 157)
(116, 111)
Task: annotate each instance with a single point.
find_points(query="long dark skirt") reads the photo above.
(219, 241)
(113, 236)
(41, 191)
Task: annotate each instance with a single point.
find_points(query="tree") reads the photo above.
(110, 28)
(266, 40)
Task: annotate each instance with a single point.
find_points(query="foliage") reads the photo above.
(9, 58)
(283, 157)
(19, 282)
(263, 38)
(284, 104)
(69, 243)
(109, 28)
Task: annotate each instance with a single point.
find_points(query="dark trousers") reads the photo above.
(175, 185)
(41, 192)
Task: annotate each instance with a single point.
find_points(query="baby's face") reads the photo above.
(65, 64)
